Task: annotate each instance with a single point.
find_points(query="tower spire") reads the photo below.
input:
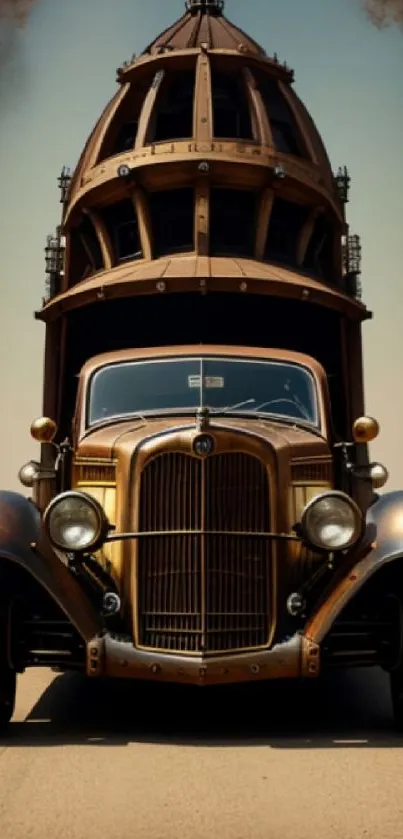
(213, 7)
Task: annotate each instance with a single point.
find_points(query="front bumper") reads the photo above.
(112, 657)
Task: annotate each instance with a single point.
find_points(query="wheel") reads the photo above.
(396, 689)
(8, 688)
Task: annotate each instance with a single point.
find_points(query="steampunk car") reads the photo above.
(204, 509)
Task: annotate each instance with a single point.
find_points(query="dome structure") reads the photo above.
(204, 188)
(204, 24)
(205, 151)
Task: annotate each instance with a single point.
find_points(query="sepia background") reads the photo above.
(57, 71)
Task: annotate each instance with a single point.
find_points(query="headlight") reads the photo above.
(74, 521)
(332, 522)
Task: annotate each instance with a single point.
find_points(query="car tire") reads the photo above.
(8, 689)
(396, 690)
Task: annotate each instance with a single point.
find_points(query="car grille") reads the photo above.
(203, 591)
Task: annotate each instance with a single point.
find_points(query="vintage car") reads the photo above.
(204, 507)
(205, 536)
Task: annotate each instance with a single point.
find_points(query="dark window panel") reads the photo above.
(126, 138)
(319, 256)
(232, 222)
(172, 220)
(85, 252)
(89, 237)
(173, 116)
(231, 112)
(122, 131)
(285, 131)
(121, 223)
(285, 226)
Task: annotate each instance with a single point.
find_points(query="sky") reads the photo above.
(56, 75)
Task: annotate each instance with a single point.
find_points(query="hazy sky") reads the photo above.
(57, 75)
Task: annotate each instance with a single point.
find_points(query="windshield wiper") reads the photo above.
(295, 401)
(232, 407)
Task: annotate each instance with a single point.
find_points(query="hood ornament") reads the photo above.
(202, 419)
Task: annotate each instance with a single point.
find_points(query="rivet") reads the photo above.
(94, 651)
(155, 668)
(243, 286)
(305, 293)
(255, 668)
(203, 671)
(161, 285)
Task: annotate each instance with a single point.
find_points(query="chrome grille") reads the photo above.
(204, 591)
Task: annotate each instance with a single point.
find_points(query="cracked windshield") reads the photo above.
(275, 389)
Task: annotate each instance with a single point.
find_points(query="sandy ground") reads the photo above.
(82, 761)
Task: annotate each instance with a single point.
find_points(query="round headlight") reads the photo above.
(75, 522)
(332, 522)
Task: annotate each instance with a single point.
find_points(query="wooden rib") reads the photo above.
(305, 235)
(203, 106)
(202, 219)
(103, 239)
(148, 109)
(260, 120)
(143, 220)
(266, 206)
(300, 123)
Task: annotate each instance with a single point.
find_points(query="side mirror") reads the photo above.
(365, 429)
(43, 430)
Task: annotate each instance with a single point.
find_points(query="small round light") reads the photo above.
(28, 473)
(332, 522)
(75, 522)
(203, 445)
(379, 475)
(365, 429)
(43, 430)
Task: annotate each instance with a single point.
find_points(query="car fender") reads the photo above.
(24, 543)
(383, 544)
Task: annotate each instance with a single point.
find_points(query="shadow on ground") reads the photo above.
(344, 710)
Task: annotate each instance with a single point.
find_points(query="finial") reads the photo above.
(213, 7)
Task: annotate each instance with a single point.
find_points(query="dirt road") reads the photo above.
(138, 763)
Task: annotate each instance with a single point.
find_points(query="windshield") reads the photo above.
(278, 389)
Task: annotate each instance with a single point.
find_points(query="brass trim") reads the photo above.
(117, 658)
